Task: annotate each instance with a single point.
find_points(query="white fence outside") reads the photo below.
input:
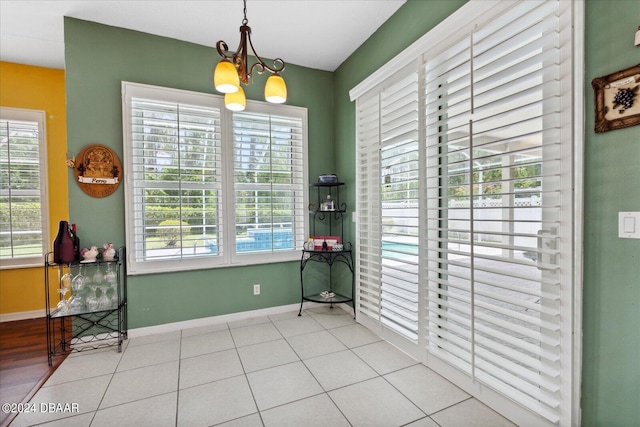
(522, 216)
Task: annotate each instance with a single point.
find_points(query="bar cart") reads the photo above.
(95, 313)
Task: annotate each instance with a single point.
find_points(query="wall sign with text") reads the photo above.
(98, 170)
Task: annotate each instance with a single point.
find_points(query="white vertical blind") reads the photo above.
(495, 268)
(23, 202)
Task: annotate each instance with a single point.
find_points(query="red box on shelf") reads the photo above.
(319, 242)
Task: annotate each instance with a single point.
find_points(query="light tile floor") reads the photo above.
(321, 369)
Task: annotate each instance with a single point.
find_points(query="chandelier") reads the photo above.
(234, 69)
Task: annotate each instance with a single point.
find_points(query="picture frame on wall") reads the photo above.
(617, 99)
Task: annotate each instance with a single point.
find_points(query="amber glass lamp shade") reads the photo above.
(275, 91)
(235, 101)
(225, 77)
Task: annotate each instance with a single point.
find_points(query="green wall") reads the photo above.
(98, 58)
(408, 24)
(611, 310)
(611, 286)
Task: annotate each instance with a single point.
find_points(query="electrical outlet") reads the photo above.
(256, 289)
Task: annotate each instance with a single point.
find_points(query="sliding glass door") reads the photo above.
(465, 208)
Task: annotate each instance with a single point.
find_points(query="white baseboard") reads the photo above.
(194, 323)
(22, 315)
(213, 320)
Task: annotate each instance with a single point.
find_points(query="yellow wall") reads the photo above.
(36, 88)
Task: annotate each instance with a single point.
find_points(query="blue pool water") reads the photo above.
(260, 240)
(402, 251)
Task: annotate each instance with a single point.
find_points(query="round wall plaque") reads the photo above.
(98, 170)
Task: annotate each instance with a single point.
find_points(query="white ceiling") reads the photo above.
(313, 33)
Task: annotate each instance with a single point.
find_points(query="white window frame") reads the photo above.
(299, 232)
(39, 117)
(463, 21)
(228, 256)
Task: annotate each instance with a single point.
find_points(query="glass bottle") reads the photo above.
(63, 252)
(76, 242)
(328, 204)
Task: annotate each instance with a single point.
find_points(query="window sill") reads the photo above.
(165, 266)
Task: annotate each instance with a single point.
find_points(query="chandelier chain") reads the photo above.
(245, 21)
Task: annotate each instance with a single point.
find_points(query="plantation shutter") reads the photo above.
(388, 204)
(488, 298)
(269, 183)
(23, 202)
(368, 268)
(176, 180)
(399, 164)
(206, 187)
(495, 195)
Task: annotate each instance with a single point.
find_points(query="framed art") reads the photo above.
(617, 99)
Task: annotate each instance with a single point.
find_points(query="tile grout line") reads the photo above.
(245, 373)
(246, 378)
(452, 405)
(177, 415)
(324, 391)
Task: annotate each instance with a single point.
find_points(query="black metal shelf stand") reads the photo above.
(334, 217)
(87, 328)
(335, 220)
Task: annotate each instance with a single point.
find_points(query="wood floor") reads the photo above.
(23, 362)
